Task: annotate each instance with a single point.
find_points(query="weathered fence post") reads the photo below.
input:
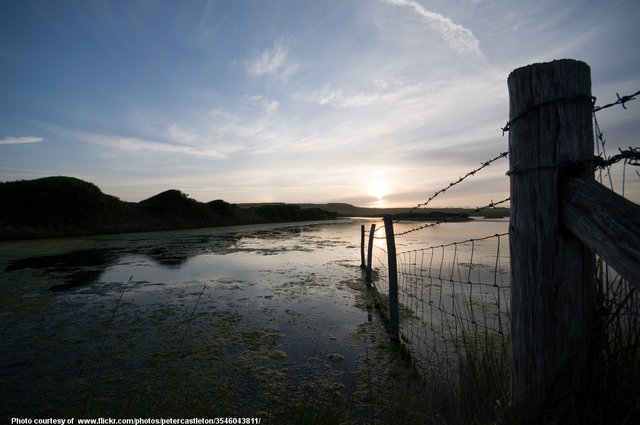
(394, 320)
(370, 255)
(362, 263)
(553, 291)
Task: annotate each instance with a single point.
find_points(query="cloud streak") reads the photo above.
(271, 62)
(20, 140)
(459, 38)
(134, 144)
(383, 93)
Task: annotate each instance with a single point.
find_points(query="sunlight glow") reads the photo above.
(379, 186)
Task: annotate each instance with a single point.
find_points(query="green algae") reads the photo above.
(282, 336)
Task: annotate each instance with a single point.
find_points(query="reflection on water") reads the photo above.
(84, 266)
(80, 267)
(237, 313)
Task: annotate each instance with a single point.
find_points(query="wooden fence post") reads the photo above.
(552, 287)
(362, 263)
(394, 320)
(370, 255)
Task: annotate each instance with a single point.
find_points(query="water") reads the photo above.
(231, 319)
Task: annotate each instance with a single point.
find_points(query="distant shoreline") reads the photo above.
(66, 206)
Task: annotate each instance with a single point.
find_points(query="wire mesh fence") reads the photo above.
(451, 294)
(454, 297)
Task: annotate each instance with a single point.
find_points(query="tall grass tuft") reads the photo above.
(100, 348)
(484, 378)
(621, 348)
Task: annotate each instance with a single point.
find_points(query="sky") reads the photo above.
(370, 102)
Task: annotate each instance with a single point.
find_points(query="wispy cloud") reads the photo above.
(20, 140)
(459, 38)
(271, 61)
(134, 144)
(269, 105)
(382, 93)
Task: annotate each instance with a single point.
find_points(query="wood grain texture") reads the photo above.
(553, 294)
(605, 221)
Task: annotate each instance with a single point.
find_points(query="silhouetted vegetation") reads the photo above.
(66, 206)
(432, 216)
(437, 214)
(278, 213)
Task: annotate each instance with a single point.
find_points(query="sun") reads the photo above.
(379, 186)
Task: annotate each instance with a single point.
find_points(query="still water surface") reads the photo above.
(227, 318)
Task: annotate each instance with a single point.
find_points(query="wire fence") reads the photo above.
(454, 297)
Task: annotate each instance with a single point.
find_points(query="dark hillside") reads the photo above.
(66, 206)
(173, 209)
(58, 206)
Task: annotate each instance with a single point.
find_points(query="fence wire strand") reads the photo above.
(454, 217)
(471, 173)
(449, 294)
(455, 297)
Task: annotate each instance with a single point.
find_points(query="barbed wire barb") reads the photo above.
(621, 101)
(456, 182)
(535, 108)
(454, 217)
(631, 156)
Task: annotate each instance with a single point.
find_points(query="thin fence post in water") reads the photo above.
(362, 263)
(370, 254)
(394, 320)
(553, 352)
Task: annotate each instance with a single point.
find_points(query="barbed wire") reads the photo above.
(460, 180)
(631, 156)
(574, 99)
(454, 217)
(535, 108)
(600, 144)
(520, 170)
(621, 101)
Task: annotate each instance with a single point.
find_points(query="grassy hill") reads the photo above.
(66, 206)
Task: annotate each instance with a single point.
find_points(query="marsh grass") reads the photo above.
(612, 396)
(484, 379)
(101, 347)
(620, 371)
